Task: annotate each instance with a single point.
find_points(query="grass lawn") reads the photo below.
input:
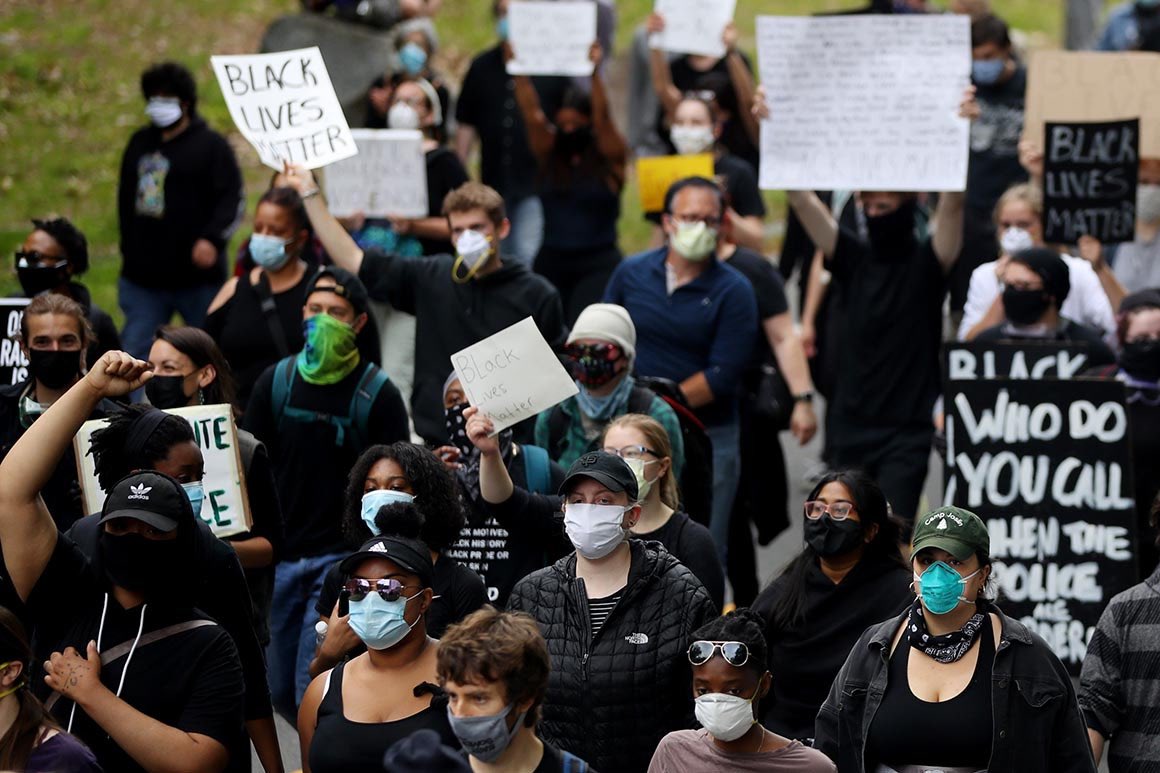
(69, 97)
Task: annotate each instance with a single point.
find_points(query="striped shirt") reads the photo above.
(600, 609)
(1120, 683)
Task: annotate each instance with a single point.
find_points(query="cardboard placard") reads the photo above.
(551, 38)
(693, 26)
(387, 178)
(850, 113)
(226, 507)
(1090, 172)
(285, 106)
(13, 363)
(655, 174)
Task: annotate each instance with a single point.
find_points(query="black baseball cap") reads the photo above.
(609, 470)
(409, 554)
(346, 285)
(150, 497)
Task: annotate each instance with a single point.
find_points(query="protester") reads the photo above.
(847, 577)
(582, 158)
(695, 319)
(415, 46)
(179, 199)
(984, 692)
(174, 704)
(494, 667)
(51, 257)
(1137, 263)
(1133, 25)
(456, 300)
(377, 14)
(423, 751)
(729, 681)
(351, 714)
(316, 411)
(615, 615)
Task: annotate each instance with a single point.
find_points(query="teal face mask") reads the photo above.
(196, 493)
(942, 587)
(331, 351)
(372, 501)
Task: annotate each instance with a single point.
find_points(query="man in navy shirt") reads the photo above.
(695, 320)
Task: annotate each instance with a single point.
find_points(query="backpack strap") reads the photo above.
(270, 313)
(284, 374)
(537, 468)
(640, 400)
(362, 402)
(557, 431)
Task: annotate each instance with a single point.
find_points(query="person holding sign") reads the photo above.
(952, 683)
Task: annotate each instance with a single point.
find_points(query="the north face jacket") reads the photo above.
(612, 697)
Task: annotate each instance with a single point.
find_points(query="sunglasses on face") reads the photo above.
(389, 589)
(34, 259)
(597, 352)
(736, 653)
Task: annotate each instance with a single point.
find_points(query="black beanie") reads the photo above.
(1051, 268)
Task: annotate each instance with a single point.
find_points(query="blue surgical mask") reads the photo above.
(380, 623)
(413, 58)
(986, 72)
(196, 493)
(501, 28)
(269, 252)
(941, 587)
(486, 737)
(372, 501)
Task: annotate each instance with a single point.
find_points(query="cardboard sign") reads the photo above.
(693, 26)
(1090, 172)
(551, 38)
(13, 363)
(513, 374)
(226, 507)
(284, 105)
(656, 174)
(848, 112)
(1071, 86)
(388, 177)
(1047, 465)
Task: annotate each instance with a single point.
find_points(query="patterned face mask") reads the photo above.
(594, 365)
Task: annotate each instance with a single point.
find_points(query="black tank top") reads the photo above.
(340, 745)
(954, 733)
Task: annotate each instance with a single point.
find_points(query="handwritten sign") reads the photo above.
(284, 105)
(693, 26)
(657, 173)
(1066, 86)
(551, 38)
(226, 507)
(13, 363)
(1023, 360)
(388, 177)
(512, 375)
(1089, 181)
(850, 113)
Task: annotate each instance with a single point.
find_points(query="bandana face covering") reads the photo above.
(330, 354)
(947, 648)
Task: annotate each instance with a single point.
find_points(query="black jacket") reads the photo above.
(1037, 721)
(613, 697)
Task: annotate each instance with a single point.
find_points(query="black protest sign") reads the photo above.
(1089, 181)
(1021, 360)
(13, 363)
(1047, 465)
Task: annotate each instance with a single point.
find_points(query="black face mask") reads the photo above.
(38, 279)
(166, 392)
(833, 538)
(55, 369)
(135, 563)
(457, 429)
(1141, 359)
(1024, 307)
(573, 143)
(892, 234)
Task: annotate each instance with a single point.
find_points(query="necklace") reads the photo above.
(761, 744)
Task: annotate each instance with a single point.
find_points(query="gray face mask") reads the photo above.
(485, 738)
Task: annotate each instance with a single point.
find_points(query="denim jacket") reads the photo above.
(1037, 721)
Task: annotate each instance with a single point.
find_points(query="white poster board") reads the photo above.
(13, 363)
(285, 106)
(693, 26)
(867, 103)
(226, 507)
(388, 177)
(551, 38)
(513, 374)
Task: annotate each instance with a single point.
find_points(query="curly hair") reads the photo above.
(743, 625)
(70, 239)
(114, 459)
(172, 79)
(436, 496)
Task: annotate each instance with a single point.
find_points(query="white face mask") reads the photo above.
(726, 717)
(689, 140)
(595, 530)
(472, 248)
(1016, 239)
(163, 111)
(403, 116)
(1148, 203)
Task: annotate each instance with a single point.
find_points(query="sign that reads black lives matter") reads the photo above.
(1047, 465)
(13, 363)
(1090, 172)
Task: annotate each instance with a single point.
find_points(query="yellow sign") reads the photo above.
(657, 173)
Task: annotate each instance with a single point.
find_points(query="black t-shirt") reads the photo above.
(740, 181)
(994, 160)
(733, 136)
(692, 544)
(769, 288)
(445, 173)
(191, 680)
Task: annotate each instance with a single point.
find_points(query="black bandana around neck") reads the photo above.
(946, 648)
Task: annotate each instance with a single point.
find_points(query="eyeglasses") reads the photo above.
(838, 511)
(710, 220)
(736, 653)
(33, 259)
(631, 452)
(390, 589)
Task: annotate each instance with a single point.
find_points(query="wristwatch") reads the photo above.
(804, 397)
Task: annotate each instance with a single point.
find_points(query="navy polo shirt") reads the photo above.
(706, 325)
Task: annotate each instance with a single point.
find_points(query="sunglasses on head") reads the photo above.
(389, 589)
(736, 653)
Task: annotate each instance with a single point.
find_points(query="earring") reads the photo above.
(200, 396)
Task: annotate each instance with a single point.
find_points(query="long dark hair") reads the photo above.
(199, 346)
(593, 165)
(31, 718)
(789, 610)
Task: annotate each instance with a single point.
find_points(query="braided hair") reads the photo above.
(116, 452)
(743, 625)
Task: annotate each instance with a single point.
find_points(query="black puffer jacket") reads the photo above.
(613, 697)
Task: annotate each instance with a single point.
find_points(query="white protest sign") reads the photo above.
(867, 103)
(551, 38)
(284, 105)
(226, 507)
(388, 176)
(512, 375)
(693, 26)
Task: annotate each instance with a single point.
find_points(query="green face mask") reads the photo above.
(694, 241)
(330, 354)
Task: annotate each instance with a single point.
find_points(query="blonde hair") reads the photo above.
(1026, 193)
(657, 439)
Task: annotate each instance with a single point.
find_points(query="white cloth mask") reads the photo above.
(595, 530)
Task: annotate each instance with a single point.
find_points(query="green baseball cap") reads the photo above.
(953, 529)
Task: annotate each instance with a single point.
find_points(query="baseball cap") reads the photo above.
(609, 470)
(346, 285)
(953, 529)
(408, 554)
(150, 497)
(1142, 299)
